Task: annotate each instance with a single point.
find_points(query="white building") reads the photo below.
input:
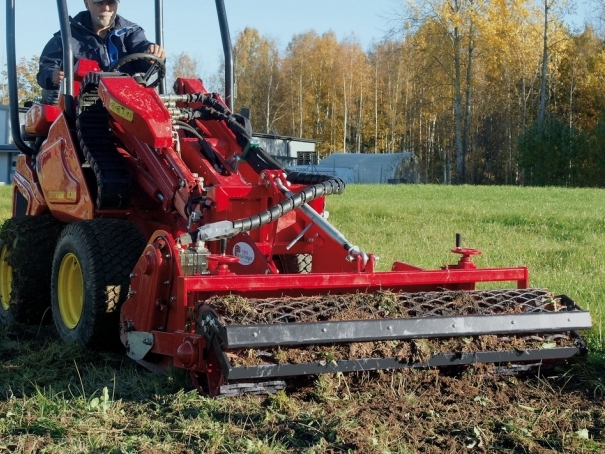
(289, 151)
(8, 151)
(369, 168)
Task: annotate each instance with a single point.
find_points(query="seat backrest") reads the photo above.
(42, 115)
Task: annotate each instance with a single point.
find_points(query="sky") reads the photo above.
(191, 26)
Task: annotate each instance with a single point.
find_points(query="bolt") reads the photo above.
(512, 322)
(389, 327)
(173, 298)
(166, 282)
(454, 325)
(323, 330)
(254, 334)
(148, 341)
(132, 292)
(167, 256)
(132, 275)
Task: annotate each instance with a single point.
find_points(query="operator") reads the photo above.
(98, 34)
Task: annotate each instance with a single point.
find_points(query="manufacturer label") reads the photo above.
(62, 195)
(244, 252)
(56, 195)
(120, 110)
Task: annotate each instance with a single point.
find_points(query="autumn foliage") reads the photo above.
(483, 92)
(459, 83)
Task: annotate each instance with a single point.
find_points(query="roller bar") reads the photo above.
(254, 336)
(366, 364)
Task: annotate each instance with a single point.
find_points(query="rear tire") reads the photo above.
(26, 250)
(90, 279)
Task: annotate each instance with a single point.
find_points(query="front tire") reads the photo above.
(26, 250)
(90, 279)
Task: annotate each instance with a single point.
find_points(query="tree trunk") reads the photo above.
(542, 107)
(300, 105)
(376, 110)
(346, 113)
(458, 116)
(268, 111)
(467, 113)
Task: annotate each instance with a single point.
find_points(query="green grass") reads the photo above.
(558, 233)
(56, 398)
(6, 201)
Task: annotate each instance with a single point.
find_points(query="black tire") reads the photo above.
(90, 279)
(27, 244)
(293, 264)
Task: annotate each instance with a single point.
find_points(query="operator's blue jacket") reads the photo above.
(125, 38)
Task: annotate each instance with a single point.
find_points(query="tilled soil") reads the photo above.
(432, 412)
(47, 391)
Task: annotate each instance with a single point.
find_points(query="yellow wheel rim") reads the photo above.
(70, 291)
(6, 279)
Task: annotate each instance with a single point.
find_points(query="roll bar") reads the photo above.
(11, 69)
(68, 58)
(228, 52)
(68, 70)
(159, 35)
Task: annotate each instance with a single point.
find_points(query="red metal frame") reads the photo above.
(166, 177)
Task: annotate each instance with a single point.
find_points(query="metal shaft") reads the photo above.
(326, 227)
(159, 34)
(68, 60)
(13, 91)
(227, 50)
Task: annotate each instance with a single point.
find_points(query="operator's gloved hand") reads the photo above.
(156, 50)
(57, 76)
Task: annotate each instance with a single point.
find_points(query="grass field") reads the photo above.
(559, 234)
(58, 398)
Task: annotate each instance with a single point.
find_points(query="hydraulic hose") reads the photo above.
(258, 159)
(321, 185)
(308, 178)
(207, 150)
(228, 229)
(333, 186)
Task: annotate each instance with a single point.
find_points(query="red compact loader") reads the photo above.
(157, 219)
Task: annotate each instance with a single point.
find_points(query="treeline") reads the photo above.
(496, 92)
(483, 92)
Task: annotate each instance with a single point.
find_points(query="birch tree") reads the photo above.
(457, 20)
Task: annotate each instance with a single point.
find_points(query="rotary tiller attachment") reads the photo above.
(252, 344)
